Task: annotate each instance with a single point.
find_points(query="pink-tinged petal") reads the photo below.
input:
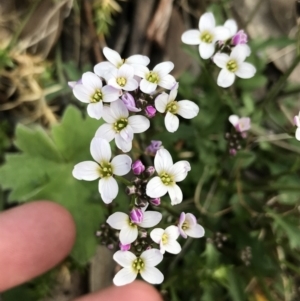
(83, 93)
(297, 121)
(161, 102)
(191, 219)
(221, 59)
(180, 170)
(118, 220)
(175, 194)
(138, 59)
(225, 78)
(155, 188)
(106, 132)
(156, 234)
(163, 68)
(108, 188)
(297, 134)
(128, 234)
(245, 70)
(125, 276)
(187, 109)
(90, 79)
(221, 33)
(124, 258)
(127, 133)
(180, 224)
(191, 37)
(121, 165)
(239, 53)
(172, 247)
(131, 84)
(95, 110)
(112, 56)
(196, 232)
(152, 275)
(150, 219)
(167, 82)
(232, 26)
(151, 257)
(123, 145)
(147, 87)
(118, 109)
(171, 122)
(163, 161)
(206, 50)
(138, 123)
(126, 71)
(110, 93)
(87, 170)
(100, 150)
(207, 22)
(234, 120)
(103, 68)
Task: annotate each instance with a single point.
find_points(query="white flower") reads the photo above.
(104, 169)
(206, 36)
(232, 65)
(122, 78)
(132, 265)
(167, 103)
(241, 124)
(129, 229)
(159, 76)
(120, 126)
(188, 226)
(297, 124)
(115, 61)
(90, 91)
(167, 239)
(168, 175)
(232, 26)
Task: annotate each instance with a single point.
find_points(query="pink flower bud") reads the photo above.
(150, 111)
(155, 202)
(153, 147)
(149, 172)
(129, 102)
(232, 151)
(136, 215)
(124, 247)
(138, 167)
(239, 38)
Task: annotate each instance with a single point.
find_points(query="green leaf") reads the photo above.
(235, 288)
(44, 171)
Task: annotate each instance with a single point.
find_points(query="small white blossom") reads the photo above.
(132, 265)
(168, 175)
(91, 91)
(167, 239)
(233, 65)
(242, 124)
(188, 226)
(129, 229)
(120, 126)
(297, 124)
(159, 76)
(232, 26)
(115, 61)
(104, 169)
(206, 36)
(166, 103)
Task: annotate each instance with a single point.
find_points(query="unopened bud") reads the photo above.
(141, 202)
(124, 247)
(150, 111)
(130, 190)
(136, 215)
(239, 38)
(129, 102)
(155, 202)
(138, 167)
(149, 172)
(141, 103)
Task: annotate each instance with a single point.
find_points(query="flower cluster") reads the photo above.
(126, 94)
(225, 45)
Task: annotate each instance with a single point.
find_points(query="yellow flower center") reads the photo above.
(120, 125)
(206, 37)
(172, 107)
(121, 81)
(138, 265)
(164, 239)
(105, 170)
(185, 226)
(166, 179)
(232, 65)
(152, 77)
(97, 96)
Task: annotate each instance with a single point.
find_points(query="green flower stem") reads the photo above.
(172, 211)
(123, 180)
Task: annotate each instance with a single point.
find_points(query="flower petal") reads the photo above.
(112, 56)
(150, 219)
(167, 82)
(196, 232)
(90, 79)
(172, 232)
(95, 110)
(187, 109)
(163, 161)
(225, 78)
(191, 37)
(175, 194)
(221, 59)
(191, 219)
(152, 257)
(147, 87)
(110, 94)
(121, 165)
(123, 145)
(297, 134)
(156, 234)
(152, 275)
(128, 234)
(207, 22)
(171, 122)
(206, 50)
(164, 68)
(118, 109)
(118, 220)
(87, 170)
(124, 258)
(221, 33)
(246, 70)
(83, 93)
(131, 84)
(161, 102)
(172, 247)
(126, 71)
(239, 53)
(138, 59)
(234, 120)
(101, 69)
(232, 26)
(108, 188)
(180, 169)
(155, 188)
(100, 150)
(127, 133)
(106, 132)
(124, 276)
(138, 123)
